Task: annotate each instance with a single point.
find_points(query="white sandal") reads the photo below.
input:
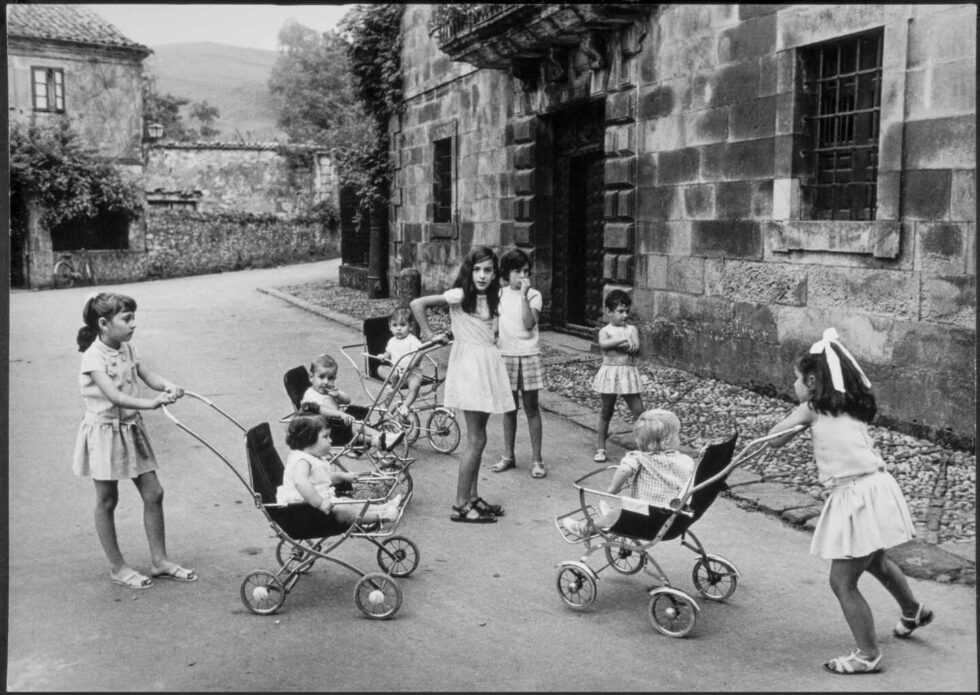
(853, 665)
(600, 456)
(906, 626)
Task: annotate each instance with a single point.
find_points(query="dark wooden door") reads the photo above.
(577, 220)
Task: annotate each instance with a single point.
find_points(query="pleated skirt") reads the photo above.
(860, 516)
(104, 451)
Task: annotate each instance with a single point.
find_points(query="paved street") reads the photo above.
(481, 612)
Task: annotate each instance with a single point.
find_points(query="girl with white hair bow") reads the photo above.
(865, 512)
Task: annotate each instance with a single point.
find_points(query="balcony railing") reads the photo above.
(493, 35)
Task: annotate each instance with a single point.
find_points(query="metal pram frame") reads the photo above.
(626, 545)
(441, 427)
(306, 534)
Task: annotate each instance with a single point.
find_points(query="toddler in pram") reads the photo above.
(627, 534)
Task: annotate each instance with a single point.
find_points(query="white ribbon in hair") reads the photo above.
(833, 362)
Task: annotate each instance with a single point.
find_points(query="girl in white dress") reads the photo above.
(618, 375)
(112, 444)
(476, 377)
(865, 512)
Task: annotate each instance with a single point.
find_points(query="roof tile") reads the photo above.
(75, 23)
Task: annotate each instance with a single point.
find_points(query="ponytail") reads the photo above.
(100, 305)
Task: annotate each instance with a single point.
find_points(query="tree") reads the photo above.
(205, 114)
(163, 109)
(311, 89)
(50, 164)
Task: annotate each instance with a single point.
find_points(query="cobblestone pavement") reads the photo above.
(939, 482)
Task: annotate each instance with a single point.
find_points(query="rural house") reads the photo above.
(66, 62)
(752, 174)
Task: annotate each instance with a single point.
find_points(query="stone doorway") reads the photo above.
(577, 178)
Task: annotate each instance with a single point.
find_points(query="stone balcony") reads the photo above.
(503, 36)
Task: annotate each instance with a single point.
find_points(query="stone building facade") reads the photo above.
(752, 174)
(66, 62)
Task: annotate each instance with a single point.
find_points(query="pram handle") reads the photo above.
(749, 451)
(204, 441)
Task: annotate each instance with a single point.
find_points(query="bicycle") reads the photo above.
(65, 274)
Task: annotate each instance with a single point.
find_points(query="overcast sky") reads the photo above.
(254, 26)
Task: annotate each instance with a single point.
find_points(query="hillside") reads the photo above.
(235, 79)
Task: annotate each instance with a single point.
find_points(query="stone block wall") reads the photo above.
(103, 98)
(180, 243)
(704, 202)
(255, 178)
(447, 100)
(733, 283)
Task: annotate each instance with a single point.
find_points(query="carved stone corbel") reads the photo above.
(633, 37)
(594, 45)
(554, 70)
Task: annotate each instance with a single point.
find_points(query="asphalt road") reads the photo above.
(481, 613)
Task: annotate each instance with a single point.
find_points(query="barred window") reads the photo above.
(842, 103)
(48, 89)
(442, 181)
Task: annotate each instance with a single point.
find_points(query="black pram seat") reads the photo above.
(634, 524)
(299, 521)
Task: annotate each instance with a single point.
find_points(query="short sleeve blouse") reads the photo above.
(122, 366)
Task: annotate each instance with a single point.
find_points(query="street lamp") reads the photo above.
(155, 131)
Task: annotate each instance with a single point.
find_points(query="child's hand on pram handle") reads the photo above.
(443, 338)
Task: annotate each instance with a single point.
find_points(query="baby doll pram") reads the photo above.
(441, 428)
(306, 534)
(640, 526)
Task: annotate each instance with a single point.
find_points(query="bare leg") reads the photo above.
(469, 467)
(510, 430)
(414, 383)
(106, 498)
(152, 493)
(605, 415)
(844, 575)
(533, 422)
(882, 568)
(635, 403)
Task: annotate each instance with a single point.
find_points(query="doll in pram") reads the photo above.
(640, 525)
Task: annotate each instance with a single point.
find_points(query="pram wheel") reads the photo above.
(625, 560)
(378, 596)
(443, 431)
(398, 556)
(672, 612)
(262, 592)
(286, 552)
(576, 585)
(715, 578)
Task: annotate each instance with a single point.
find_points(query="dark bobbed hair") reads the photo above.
(617, 297)
(515, 259)
(858, 400)
(98, 306)
(464, 279)
(304, 428)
